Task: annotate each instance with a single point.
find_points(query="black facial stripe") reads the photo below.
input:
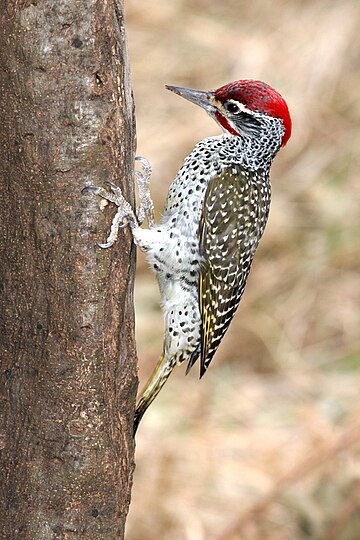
(242, 118)
(246, 123)
(248, 119)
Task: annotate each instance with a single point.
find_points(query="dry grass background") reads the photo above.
(267, 445)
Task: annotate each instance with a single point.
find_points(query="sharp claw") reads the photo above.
(90, 189)
(107, 245)
(142, 160)
(124, 215)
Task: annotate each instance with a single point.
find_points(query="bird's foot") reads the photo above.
(124, 214)
(146, 207)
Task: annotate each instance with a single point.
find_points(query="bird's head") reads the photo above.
(243, 108)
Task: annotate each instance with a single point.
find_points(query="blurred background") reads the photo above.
(267, 445)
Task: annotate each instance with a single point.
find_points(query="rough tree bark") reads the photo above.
(68, 362)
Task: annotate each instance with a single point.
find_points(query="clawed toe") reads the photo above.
(91, 189)
(124, 214)
(145, 162)
(112, 194)
(107, 245)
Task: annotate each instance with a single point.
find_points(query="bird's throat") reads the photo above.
(225, 123)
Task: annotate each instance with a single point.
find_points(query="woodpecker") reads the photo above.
(214, 216)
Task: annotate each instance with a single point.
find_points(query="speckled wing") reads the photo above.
(233, 219)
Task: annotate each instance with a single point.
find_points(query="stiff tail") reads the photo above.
(157, 380)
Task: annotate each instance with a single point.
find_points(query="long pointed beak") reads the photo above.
(199, 97)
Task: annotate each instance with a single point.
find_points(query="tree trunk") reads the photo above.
(68, 361)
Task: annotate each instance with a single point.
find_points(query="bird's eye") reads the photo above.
(232, 107)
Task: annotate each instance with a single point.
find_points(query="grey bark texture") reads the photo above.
(68, 360)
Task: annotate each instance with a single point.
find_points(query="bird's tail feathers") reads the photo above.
(193, 358)
(157, 380)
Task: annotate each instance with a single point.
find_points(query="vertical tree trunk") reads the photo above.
(68, 363)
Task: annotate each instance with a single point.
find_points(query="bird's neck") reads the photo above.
(253, 153)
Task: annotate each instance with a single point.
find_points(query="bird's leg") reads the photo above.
(125, 214)
(146, 207)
